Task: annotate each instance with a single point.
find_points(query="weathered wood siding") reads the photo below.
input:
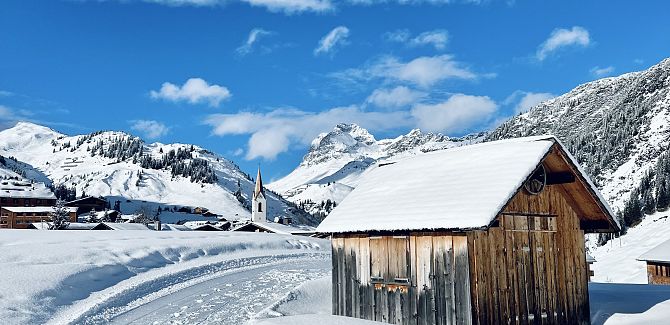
(414, 279)
(658, 273)
(531, 267)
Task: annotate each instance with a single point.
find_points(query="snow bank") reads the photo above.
(315, 319)
(617, 261)
(615, 304)
(308, 304)
(69, 272)
(312, 297)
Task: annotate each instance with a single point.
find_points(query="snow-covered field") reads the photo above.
(95, 276)
(147, 277)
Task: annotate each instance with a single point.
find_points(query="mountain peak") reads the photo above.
(32, 128)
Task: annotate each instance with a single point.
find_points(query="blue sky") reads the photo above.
(256, 80)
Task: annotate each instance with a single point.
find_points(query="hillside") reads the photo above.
(122, 167)
(616, 127)
(336, 161)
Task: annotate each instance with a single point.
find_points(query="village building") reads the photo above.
(589, 265)
(126, 226)
(658, 264)
(274, 228)
(71, 226)
(20, 193)
(22, 217)
(258, 201)
(491, 233)
(88, 204)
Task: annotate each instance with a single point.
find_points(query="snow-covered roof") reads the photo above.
(24, 189)
(85, 198)
(660, 253)
(126, 226)
(71, 226)
(589, 258)
(40, 209)
(174, 227)
(460, 188)
(276, 228)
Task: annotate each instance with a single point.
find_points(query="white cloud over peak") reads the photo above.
(277, 131)
(274, 132)
(193, 91)
(523, 100)
(561, 38)
(254, 35)
(599, 72)
(331, 41)
(149, 128)
(394, 98)
(437, 38)
(457, 114)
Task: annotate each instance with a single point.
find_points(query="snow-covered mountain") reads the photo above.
(122, 167)
(336, 160)
(616, 127)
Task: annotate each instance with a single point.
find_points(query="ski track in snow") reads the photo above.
(232, 298)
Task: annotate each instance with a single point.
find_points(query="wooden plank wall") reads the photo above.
(531, 269)
(436, 268)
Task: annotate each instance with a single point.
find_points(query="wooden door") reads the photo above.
(531, 248)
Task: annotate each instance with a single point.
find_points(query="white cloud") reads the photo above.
(336, 37)
(638, 61)
(457, 114)
(293, 6)
(273, 133)
(423, 71)
(523, 100)
(151, 129)
(437, 38)
(194, 91)
(285, 6)
(601, 72)
(253, 38)
(6, 113)
(396, 97)
(4, 93)
(560, 38)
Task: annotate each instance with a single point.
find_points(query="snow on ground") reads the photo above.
(309, 303)
(619, 304)
(617, 261)
(66, 276)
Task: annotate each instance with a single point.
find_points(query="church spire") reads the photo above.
(258, 202)
(258, 190)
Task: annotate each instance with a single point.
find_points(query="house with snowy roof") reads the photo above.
(21, 217)
(658, 263)
(480, 234)
(22, 193)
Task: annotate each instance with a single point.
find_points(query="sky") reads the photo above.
(257, 80)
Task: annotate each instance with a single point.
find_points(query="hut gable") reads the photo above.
(466, 188)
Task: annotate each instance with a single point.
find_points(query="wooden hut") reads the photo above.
(658, 264)
(491, 233)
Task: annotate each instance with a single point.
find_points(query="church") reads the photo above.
(259, 202)
(259, 215)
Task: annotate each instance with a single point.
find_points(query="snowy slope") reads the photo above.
(617, 261)
(339, 158)
(76, 161)
(77, 272)
(616, 127)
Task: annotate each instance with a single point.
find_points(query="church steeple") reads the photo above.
(258, 189)
(258, 202)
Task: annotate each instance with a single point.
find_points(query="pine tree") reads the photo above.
(60, 218)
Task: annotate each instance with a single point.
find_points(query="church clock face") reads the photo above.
(535, 184)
